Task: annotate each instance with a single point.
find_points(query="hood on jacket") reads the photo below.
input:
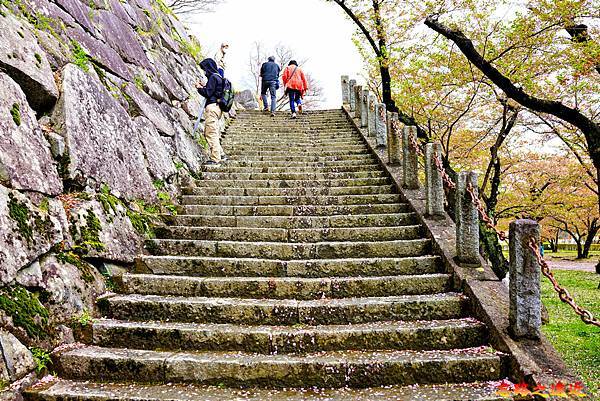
(209, 66)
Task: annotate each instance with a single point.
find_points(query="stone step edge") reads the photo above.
(66, 390)
(270, 287)
(342, 368)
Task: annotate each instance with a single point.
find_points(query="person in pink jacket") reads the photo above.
(295, 85)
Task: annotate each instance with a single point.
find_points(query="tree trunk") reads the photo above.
(589, 240)
(579, 249)
(386, 83)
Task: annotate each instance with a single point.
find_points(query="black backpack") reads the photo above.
(225, 102)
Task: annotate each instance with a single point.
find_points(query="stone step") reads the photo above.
(305, 158)
(65, 390)
(340, 221)
(283, 287)
(290, 251)
(333, 163)
(248, 200)
(289, 235)
(321, 143)
(431, 335)
(306, 183)
(227, 168)
(274, 136)
(136, 307)
(341, 153)
(291, 210)
(301, 148)
(251, 267)
(236, 369)
(302, 191)
(294, 176)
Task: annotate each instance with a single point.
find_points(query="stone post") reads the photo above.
(358, 103)
(394, 139)
(381, 125)
(352, 97)
(372, 119)
(345, 89)
(467, 221)
(434, 184)
(410, 161)
(525, 313)
(364, 108)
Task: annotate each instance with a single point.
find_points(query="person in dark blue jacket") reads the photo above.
(212, 91)
(269, 72)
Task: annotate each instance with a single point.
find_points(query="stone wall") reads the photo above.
(97, 105)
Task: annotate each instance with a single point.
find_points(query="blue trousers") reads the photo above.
(269, 86)
(295, 99)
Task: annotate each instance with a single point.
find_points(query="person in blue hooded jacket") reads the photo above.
(212, 91)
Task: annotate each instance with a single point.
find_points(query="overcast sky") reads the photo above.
(315, 29)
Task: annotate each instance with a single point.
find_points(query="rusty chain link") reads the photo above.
(586, 316)
(415, 144)
(440, 167)
(484, 216)
(564, 295)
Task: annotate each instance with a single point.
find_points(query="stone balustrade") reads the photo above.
(400, 139)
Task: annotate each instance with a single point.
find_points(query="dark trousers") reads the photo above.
(295, 99)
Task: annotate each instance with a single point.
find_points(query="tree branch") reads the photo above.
(590, 129)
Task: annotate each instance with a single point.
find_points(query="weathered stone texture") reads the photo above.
(120, 241)
(16, 360)
(24, 60)
(94, 123)
(121, 37)
(80, 11)
(25, 159)
(150, 109)
(525, 314)
(246, 100)
(102, 54)
(467, 220)
(159, 160)
(27, 231)
(72, 289)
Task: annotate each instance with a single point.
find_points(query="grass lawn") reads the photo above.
(578, 342)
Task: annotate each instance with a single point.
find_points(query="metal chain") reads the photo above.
(414, 144)
(484, 216)
(586, 316)
(440, 167)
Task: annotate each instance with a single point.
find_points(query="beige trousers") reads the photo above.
(212, 131)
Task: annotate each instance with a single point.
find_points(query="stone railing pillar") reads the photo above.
(467, 221)
(410, 161)
(372, 119)
(351, 86)
(394, 139)
(358, 102)
(381, 125)
(525, 313)
(364, 108)
(345, 89)
(434, 184)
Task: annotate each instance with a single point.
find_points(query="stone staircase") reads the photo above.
(293, 272)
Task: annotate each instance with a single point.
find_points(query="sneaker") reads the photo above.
(265, 110)
(294, 115)
(272, 114)
(212, 163)
(224, 158)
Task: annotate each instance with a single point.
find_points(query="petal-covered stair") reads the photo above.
(292, 272)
